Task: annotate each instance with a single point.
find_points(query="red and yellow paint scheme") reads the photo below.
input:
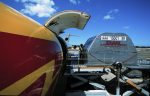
(31, 54)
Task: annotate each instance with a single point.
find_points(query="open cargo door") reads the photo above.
(67, 19)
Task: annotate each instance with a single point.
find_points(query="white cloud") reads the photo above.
(40, 8)
(126, 27)
(114, 11)
(108, 17)
(75, 2)
(111, 14)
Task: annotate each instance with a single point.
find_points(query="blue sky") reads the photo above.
(126, 16)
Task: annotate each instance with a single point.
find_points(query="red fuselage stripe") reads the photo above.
(21, 55)
(36, 88)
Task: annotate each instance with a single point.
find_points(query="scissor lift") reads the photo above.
(84, 76)
(88, 81)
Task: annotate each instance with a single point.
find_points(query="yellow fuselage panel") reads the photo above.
(16, 23)
(29, 50)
